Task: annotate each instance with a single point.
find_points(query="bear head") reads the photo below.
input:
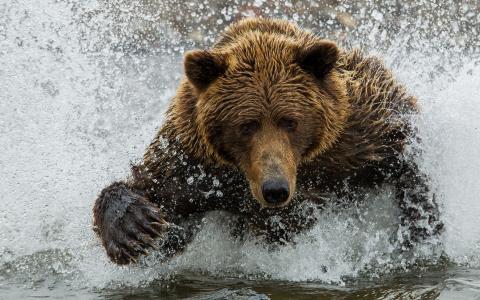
(266, 103)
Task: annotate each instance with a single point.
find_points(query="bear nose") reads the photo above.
(275, 191)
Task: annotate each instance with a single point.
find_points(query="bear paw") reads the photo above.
(128, 225)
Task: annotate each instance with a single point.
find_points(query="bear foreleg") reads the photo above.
(420, 215)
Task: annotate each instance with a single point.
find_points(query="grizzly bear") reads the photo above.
(268, 119)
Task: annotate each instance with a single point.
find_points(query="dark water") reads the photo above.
(445, 284)
(440, 283)
(83, 87)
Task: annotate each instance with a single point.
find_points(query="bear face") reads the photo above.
(266, 104)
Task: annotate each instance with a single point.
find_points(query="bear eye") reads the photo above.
(249, 127)
(288, 124)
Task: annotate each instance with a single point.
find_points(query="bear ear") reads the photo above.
(319, 59)
(203, 67)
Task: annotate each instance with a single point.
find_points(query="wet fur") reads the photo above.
(365, 126)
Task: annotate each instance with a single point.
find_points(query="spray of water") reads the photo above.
(84, 86)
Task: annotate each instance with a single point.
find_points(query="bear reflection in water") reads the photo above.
(268, 119)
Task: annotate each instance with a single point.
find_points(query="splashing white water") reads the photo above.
(451, 132)
(73, 116)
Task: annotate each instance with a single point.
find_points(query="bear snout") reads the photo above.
(275, 191)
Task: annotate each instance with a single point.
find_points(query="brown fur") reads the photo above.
(268, 100)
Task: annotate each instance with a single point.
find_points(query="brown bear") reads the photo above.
(270, 118)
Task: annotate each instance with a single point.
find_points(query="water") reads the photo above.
(84, 85)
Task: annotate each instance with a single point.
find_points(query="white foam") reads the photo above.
(450, 128)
